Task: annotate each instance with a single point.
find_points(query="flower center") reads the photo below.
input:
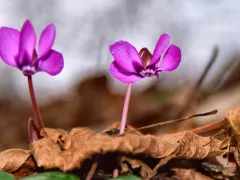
(28, 70)
(147, 72)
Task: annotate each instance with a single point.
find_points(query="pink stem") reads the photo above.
(124, 119)
(115, 173)
(125, 109)
(34, 104)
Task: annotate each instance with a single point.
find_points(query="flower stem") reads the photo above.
(125, 109)
(34, 105)
(124, 119)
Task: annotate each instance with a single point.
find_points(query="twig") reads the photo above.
(93, 169)
(194, 94)
(205, 128)
(172, 121)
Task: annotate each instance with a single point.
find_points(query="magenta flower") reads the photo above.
(17, 49)
(130, 66)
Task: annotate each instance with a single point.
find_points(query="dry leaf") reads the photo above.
(233, 116)
(83, 143)
(162, 162)
(145, 170)
(54, 134)
(29, 167)
(190, 174)
(12, 159)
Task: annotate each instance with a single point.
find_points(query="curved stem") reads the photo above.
(34, 104)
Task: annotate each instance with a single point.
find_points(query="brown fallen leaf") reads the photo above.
(162, 162)
(233, 117)
(54, 134)
(145, 170)
(82, 143)
(190, 174)
(12, 159)
(29, 167)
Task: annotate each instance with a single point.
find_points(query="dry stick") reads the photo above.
(172, 121)
(205, 128)
(195, 91)
(93, 169)
(35, 107)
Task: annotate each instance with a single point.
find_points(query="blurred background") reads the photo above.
(85, 94)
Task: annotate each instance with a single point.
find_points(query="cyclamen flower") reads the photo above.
(130, 66)
(17, 49)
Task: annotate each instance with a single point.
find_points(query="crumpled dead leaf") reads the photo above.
(145, 170)
(233, 117)
(12, 159)
(190, 174)
(28, 167)
(82, 143)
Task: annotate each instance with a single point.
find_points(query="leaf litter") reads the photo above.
(146, 155)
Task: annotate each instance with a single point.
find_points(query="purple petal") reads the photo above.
(46, 40)
(123, 75)
(9, 41)
(160, 47)
(171, 59)
(27, 44)
(53, 64)
(126, 56)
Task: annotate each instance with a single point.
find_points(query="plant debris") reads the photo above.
(145, 155)
(12, 159)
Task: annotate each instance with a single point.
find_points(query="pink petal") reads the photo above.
(27, 43)
(160, 47)
(46, 40)
(122, 75)
(126, 56)
(9, 41)
(53, 64)
(171, 59)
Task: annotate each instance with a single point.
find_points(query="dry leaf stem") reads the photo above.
(93, 169)
(205, 128)
(173, 121)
